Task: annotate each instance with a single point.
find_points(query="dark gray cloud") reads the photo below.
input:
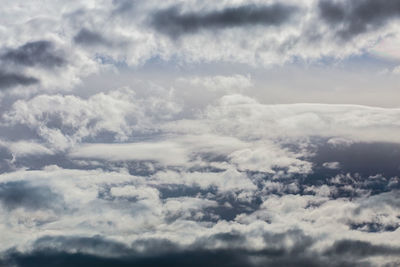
(39, 53)
(360, 249)
(123, 6)
(90, 38)
(8, 80)
(351, 18)
(175, 23)
(200, 258)
(22, 194)
(97, 251)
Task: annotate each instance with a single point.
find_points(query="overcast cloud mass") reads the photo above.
(200, 133)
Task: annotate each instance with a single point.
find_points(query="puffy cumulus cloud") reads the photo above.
(267, 157)
(336, 218)
(113, 201)
(64, 120)
(187, 208)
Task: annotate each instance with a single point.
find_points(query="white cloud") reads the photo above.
(64, 120)
(186, 207)
(264, 157)
(24, 148)
(227, 181)
(164, 152)
(339, 141)
(244, 117)
(331, 165)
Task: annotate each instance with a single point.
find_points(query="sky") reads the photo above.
(202, 133)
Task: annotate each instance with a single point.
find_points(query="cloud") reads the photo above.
(177, 171)
(136, 32)
(164, 152)
(88, 245)
(174, 22)
(8, 80)
(199, 258)
(331, 165)
(25, 195)
(123, 6)
(37, 53)
(65, 120)
(67, 251)
(351, 18)
(355, 248)
(24, 148)
(268, 158)
(243, 117)
(90, 38)
(229, 180)
(177, 150)
(280, 228)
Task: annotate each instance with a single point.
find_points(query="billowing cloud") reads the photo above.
(64, 120)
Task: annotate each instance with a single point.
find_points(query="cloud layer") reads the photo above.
(147, 133)
(268, 191)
